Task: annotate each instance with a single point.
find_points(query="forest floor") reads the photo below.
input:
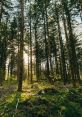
(40, 100)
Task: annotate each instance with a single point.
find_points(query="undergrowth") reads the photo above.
(47, 101)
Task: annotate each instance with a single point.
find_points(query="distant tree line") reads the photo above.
(47, 29)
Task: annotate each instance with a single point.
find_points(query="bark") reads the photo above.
(47, 32)
(1, 9)
(3, 55)
(21, 47)
(37, 55)
(28, 64)
(63, 63)
(30, 47)
(46, 50)
(73, 57)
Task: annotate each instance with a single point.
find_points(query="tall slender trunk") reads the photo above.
(28, 64)
(46, 50)
(37, 55)
(0, 42)
(55, 55)
(21, 66)
(3, 55)
(73, 57)
(67, 40)
(36, 46)
(31, 76)
(63, 63)
(1, 9)
(47, 32)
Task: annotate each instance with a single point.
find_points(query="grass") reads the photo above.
(53, 105)
(65, 103)
(10, 96)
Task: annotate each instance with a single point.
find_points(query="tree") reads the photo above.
(73, 57)
(21, 46)
(62, 53)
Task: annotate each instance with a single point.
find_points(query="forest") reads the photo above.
(40, 58)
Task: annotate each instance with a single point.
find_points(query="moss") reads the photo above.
(52, 103)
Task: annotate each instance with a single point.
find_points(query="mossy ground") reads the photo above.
(62, 101)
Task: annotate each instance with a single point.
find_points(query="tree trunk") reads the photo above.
(73, 58)
(1, 9)
(31, 76)
(63, 63)
(21, 66)
(46, 51)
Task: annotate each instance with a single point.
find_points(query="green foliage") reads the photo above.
(56, 105)
(73, 109)
(52, 105)
(50, 101)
